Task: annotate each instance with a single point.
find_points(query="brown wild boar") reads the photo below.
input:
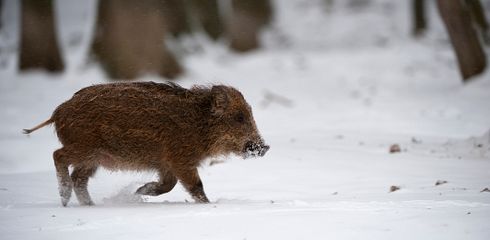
(149, 126)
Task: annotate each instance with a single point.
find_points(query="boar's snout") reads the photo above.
(255, 149)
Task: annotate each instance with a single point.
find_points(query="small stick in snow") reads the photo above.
(394, 188)
(395, 148)
(440, 182)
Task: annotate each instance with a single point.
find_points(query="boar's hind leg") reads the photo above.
(192, 183)
(61, 162)
(79, 177)
(166, 184)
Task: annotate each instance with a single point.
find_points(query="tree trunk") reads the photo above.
(208, 16)
(1, 12)
(247, 19)
(419, 20)
(470, 55)
(129, 39)
(38, 43)
(176, 17)
(478, 16)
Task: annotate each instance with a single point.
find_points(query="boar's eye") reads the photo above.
(240, 118)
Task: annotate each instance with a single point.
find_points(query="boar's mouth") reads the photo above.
(253, 149)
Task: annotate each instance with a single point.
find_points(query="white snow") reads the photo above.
(331, 91)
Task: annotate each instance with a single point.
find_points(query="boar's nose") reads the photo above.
(264, 149)
(253, 149)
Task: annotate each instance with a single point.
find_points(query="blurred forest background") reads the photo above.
(133, 38)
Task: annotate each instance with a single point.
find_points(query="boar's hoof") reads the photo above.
(65, 193)
(197, 192)
(87, 203)
(151, 189)
(201, 198)
(64, 201)
(156, 188)
(253, 149)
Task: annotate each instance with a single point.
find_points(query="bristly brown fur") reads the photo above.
(148, 126)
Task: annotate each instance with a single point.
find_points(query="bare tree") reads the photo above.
(208, 16)
(176, 17)
(478, 16)
(246, 21)
(38, 44)
(470, 55)
(129, 39)
(1, 12)
(419, 19)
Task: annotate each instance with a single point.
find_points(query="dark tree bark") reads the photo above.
(419, 19)
(38, 43)
(1, 12)
(470, 55)
(478, 16)
(208, 16)
(247, 19)
(176, 17)
(129, 39)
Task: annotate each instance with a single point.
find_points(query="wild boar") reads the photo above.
(149, 126)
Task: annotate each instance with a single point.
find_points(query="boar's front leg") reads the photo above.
(166, 184)
(192, 183)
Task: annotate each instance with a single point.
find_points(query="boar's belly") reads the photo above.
(137, 163)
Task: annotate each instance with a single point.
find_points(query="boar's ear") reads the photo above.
(220, 100)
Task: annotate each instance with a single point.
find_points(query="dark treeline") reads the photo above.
(129, 34)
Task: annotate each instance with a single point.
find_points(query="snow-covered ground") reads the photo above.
(331, 91)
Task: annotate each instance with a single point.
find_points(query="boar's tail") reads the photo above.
(47, 122)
